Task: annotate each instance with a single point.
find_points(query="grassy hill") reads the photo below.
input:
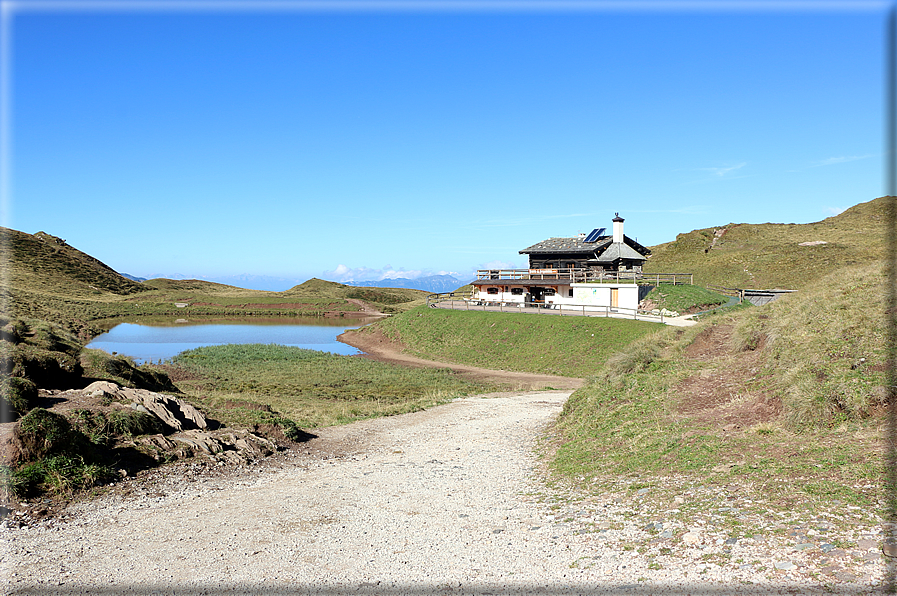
(786, 402)
(770, 255)
(46, 263)
(390, 299)
(48, 280)
(564, 346)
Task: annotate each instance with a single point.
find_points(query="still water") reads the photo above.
(151, 341)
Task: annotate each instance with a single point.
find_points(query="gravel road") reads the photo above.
(445, 501)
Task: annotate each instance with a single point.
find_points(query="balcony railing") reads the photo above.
(581, 275)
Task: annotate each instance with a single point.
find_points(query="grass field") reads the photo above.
(311, 388)
(566, 346)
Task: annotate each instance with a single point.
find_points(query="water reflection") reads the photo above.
(151, 340)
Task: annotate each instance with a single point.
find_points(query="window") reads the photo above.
(492, 291)
(516, 291)
(570, 293)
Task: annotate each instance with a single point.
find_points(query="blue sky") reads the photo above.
(361, 142)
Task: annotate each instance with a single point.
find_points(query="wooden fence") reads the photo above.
(586, 310)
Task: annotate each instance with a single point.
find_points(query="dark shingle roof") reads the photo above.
(567, 245)
(618, 250)
(576, 245)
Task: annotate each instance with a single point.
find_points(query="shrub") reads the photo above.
(134, 422)
(61, 473)
(636, 358)
(121, 369)
(55, 455)
(18, 397)
(13, 331)
(44, 367)
(41, 432)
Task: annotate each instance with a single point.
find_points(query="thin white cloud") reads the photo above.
(830, 161)
(497, 264)
(723, 171)
(686, 210)
(834, 210)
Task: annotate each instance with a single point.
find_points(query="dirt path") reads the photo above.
(449, 500)
(381, 348)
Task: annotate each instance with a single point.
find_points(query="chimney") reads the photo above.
(618, 228)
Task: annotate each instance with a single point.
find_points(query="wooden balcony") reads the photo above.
(581, 275)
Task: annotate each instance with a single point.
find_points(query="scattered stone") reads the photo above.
(804, 546)
(889, 549)
(867, 544)
(827, 547)
(722, 468)
(785, 565)
(691, 538)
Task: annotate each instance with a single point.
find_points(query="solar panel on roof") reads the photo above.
(595, 235)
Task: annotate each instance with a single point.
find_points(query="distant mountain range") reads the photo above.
(429, 283)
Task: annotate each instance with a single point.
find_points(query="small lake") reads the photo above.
(154, 340)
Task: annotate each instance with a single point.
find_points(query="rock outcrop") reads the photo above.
(175, 413)
(234, 446)
(187, 430)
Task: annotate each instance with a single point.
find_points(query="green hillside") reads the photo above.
(792, 390)
(48, 280)
(47, 264)
(564, 346)
(398, 299)
(770, 255)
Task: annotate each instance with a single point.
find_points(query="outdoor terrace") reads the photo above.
(581, 275)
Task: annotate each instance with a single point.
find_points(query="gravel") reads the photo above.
(445, 501)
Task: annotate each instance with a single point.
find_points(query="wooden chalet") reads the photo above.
(592, 270)
(594, 252)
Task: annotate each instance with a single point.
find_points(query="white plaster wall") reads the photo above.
(500, 297)
(599, 295)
